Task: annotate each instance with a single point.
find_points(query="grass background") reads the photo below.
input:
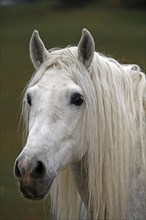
(118, 32)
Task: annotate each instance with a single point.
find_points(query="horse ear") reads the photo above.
(86, 48)
(38, 52)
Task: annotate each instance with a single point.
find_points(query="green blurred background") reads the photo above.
(118, 30)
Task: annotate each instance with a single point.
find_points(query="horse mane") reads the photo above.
(112, 130)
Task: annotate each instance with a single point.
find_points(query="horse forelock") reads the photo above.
(110, 130)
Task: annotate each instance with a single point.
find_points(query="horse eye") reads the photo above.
(29, 99)
(77, 99)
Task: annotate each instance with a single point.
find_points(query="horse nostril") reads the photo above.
(39, 170)
(17, 170)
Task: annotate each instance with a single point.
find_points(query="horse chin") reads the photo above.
(34, 197)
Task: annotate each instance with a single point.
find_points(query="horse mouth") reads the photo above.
(34, 192)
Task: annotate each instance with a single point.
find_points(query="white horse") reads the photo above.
(85, 116)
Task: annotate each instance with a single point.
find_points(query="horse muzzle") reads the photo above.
(33, 178)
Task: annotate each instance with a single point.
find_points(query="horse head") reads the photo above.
(56, 106)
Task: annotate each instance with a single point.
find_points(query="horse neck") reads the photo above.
(137, 199)
(137, 195)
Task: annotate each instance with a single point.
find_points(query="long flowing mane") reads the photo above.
(113, 128)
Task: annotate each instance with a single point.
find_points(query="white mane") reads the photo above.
(113, 123)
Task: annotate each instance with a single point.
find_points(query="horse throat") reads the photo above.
(80, 175)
